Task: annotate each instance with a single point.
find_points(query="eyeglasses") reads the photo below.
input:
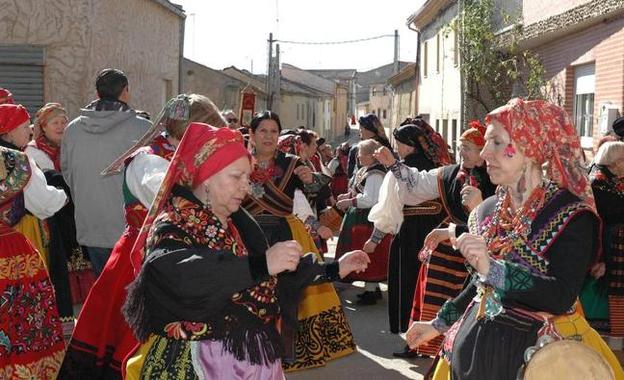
(465, 148)
(230, 121)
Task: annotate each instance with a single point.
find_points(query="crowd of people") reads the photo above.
(193, 245)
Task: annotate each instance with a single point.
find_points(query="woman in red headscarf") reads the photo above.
(209, 295)
(31, 338)
(528, 249)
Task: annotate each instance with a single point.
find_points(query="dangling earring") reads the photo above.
(521, 188)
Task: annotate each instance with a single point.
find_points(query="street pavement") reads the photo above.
(375, 344)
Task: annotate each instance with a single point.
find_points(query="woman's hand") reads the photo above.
(343, 204)
(419, 333)
(369, 246)
(283, 256)
(384, 156)
(435, 237)
(343, 196)
(471, 197)
(354, 261)
(305, 174)
(474, 249)
(325, 232)
(598, 270)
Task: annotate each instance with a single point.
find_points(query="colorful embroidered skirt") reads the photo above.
(324, 333)
(32, 229)
(441, 279)
(31, 338)
(164, 358)
(614, 245)
(573, 326)
(102, 339)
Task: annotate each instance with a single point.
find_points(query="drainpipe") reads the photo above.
(462, 79)
(417, 68)
(181, 57)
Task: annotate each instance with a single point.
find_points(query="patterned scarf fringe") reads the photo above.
(135, 309)
(259, 345)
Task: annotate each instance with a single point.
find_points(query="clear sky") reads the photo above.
(222, 33)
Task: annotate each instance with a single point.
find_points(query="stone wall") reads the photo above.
(81, 37)
(222, 89)
(538, 10)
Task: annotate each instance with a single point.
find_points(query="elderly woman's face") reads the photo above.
(470, 154)
(19, 136)
(505, 163)
(404, 149)
(55, 128)
(227, 188)
(265, 137)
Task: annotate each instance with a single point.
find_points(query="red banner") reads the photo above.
(248, 107)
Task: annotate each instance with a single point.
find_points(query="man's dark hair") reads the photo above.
(110, 83)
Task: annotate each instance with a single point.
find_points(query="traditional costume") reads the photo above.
(355, 229)
(609, 194)
(31, 338)
(409, 224)
(444, 275)
(66, 262)
(203, 305)
(323, 333)
(538, 259)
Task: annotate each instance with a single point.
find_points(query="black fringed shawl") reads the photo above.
(188, 290)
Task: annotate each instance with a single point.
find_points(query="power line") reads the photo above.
(334, 42)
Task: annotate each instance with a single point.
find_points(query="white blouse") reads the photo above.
(404, 186)
(41, 158)
(40, 199)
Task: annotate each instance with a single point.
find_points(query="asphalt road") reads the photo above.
(375, 344)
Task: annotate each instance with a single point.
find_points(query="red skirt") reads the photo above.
(102, 338)
(31, 337)
(378, 268)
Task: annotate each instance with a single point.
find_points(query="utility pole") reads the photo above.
(277, 81)
(269, 82)
(396, 51)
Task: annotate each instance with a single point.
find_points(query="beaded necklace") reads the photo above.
(508, 229)
(263, 172)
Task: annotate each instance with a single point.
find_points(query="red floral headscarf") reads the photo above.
(12, 116)
(546, 135)
(474, 133)
(290, 144)
(203, 151)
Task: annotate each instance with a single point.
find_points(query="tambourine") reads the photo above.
(564, 359)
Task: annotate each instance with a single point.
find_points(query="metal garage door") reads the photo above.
(21, 72)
